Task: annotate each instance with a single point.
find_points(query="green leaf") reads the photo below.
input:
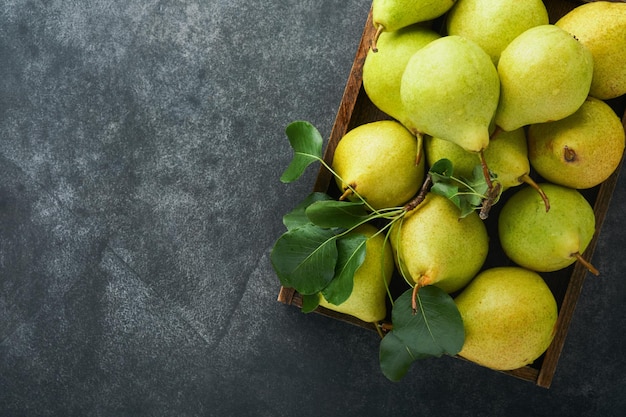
(396, 357)
(297, 217)
(310, 302)
(434, 330)
(352, 249)
(306, 142)
(304, 258)
(450, 191)
(332, 213)
(442, 168)
(466, 193)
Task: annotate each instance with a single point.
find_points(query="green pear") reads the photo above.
(450, 90)
(391, 15)
(493, 24)
(433, 246)
(509, 316)
(546, 241)
(545, 75)
(601, 27)
(367, 301)
(580, 151)
(377, 160)
(382, 70)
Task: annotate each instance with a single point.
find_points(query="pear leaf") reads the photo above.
(478, 185)
(435, 329)
(450, 191)
(306, 142)
(304, 258)
(297, 217)
(442, 169)
(396, 357)
(351, 254)
(332, 213)
(466, 193)
(310, 302)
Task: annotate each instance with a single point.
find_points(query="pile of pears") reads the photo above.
(493, 87)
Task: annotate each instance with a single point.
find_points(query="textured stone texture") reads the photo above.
(140, 148)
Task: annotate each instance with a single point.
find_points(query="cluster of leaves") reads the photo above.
(320, 253)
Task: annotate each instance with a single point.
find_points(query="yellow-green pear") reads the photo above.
(601, 27)
(450, 89)
(546, 241)
(580, 151)
(377, 160)
(509, 316)
(545, 75)
(433, 246)
(391, 15)
(493, 24)
(382, 70)
(367, 301)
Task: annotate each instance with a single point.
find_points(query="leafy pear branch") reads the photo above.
(318, 250)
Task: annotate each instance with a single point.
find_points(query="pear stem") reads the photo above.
(489, 201)
(492, 191)
(495, 133)
(483, 163)
(347, 193)
(586, 264)
(528, 180)
(379, 29)
(421, 195)
(379, 330)
(420, 143)
(414, 299)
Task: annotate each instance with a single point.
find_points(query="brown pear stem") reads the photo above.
(483, 163)
(420, 143)
(421, 195)
(386, 327)
(528, 180)
(379, 29)
(492, 192)
(496, 132)
(492, 195)
(414, 298)
(586, 264)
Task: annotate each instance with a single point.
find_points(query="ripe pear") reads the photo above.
(580, 151)
(377, 159)
(367, 301)
(601, 27)
(493, 24)
(450, 89)
(546, 241)
(382, 70)
(545, 75)
(433, 246)
(509, 316)
(391, 15)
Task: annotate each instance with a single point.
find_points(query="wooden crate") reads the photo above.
(356, 109)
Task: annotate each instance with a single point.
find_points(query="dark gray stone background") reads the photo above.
(140, 148)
